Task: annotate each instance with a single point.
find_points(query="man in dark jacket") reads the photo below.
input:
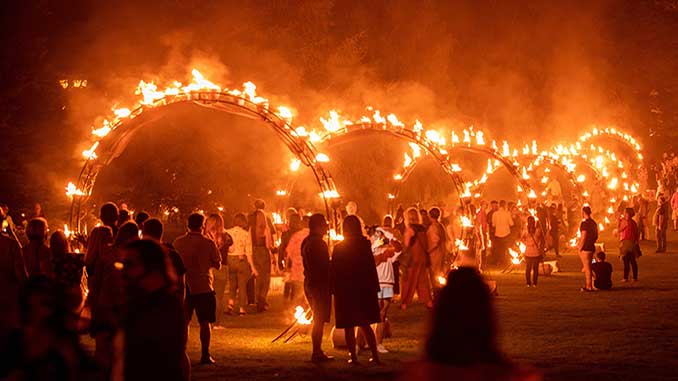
(316, 258)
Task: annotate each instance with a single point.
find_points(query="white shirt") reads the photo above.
(502, 221)
(385, 269)
(242, 241)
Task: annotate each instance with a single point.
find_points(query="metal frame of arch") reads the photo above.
(114, 144)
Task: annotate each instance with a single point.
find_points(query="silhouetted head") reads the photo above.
(531, 224)
(629, 213)
(600, 256)
(259, 204)
(388, 221)
(109, 214)
(129, 231)
(317, 224)
(240, 220)
(351, 208)
(58, 244)
(141, 217)
(502, 204)
(412, 217)
(195, 222)
(463, 330)
(152, 228)
(294, 221)
(586, 211)
(352, 228)
(36, 230)
(434, 213)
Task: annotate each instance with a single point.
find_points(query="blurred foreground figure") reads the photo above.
(12, 276)
(44, 348)
(155, 333)
(462, 343)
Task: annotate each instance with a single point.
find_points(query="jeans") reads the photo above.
(555, 236)
(629, 257)
(532, 266)
(220, 279)
(262, 262)
(661, 240)
(238, 274)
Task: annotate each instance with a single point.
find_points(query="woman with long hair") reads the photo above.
(214, 230)
(355, 285)
(629, 236)
(534, 242)
(462, 343)
(37, 256)
(415, 261)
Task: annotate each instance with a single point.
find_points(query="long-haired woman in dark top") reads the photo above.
(355, 285)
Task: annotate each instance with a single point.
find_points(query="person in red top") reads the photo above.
(628, 236)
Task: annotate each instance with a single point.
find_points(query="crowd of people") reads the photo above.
(134, 293)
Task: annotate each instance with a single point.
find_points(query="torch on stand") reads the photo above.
(516, 257)
(302, 320)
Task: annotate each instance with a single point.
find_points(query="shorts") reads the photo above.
(320, 302)
(386, 292)
(204, 305)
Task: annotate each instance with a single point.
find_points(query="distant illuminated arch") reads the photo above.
(412, 136)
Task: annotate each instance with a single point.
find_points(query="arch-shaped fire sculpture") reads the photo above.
(115, 132)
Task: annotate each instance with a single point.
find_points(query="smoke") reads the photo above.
(519, 70)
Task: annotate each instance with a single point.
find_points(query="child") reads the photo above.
(386, 251)
(602, 272)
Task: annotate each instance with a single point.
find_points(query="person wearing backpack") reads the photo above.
(587, 246)
(533, 238)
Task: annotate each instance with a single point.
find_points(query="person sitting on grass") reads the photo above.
(602, 272)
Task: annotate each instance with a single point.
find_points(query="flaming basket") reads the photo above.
(300, 326)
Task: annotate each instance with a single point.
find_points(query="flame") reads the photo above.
(300, 316)
(277, 219)
(466, 222)
(67, 231)
(334, 236)
(295, 164)
(90, 154)
(441, 280)
(322, 158)
(72, 190)
(515, 257)
(281, 193)
(330, 193)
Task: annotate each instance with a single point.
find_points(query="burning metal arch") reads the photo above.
(122, 131)
(406, 134)
(514, 170)
(617, 135)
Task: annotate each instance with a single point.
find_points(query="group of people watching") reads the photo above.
(141, 292)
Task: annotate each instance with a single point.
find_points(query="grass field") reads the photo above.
(629, 333)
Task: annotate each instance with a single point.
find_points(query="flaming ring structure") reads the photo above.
(115, 134)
